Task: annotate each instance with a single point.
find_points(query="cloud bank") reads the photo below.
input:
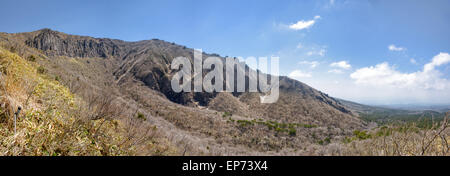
(384, 74)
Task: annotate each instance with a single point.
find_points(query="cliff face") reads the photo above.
(56, 43)
(149, 62)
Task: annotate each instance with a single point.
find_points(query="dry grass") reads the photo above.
(56, 122)
(406, 140)
(107, 106)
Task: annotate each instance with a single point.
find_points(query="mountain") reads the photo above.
(389, 114)
(137, 76)
(366, 109)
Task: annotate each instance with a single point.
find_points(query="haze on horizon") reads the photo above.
(369, 51)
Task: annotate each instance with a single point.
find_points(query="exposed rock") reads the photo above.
(56, 43)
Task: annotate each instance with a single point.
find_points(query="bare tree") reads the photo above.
(436, 133)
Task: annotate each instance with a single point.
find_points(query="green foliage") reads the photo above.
(292, 132)
(227, 114)
(289, 128)
(423, 119)
(41, 70)
(278, 129)
(244, 122)
(347, 140)
(13, 49)
(141, 116)
(384, 131)
(320, 142)
(325, 141)
(32, 58)
(361, 135)
(309, 126)
(3, 116)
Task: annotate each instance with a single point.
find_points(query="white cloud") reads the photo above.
(440, 59)
(320, 52)
(298, 74)
(312, 64)
(384, 84)
(382, 74)
(385, 75)
(302, 24)
(395, 48)
(336, 71)
(341, 64)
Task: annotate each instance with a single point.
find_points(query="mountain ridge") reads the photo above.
(139, 74)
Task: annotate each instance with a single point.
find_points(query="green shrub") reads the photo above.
(292, 132)
(320, 142)
(309, 126)
(32, 58)
(383, 131)
(141, 116)
(327, 140)
(244, 122)
(41, 70)
(361, 135)
(347, 140)
(13, 49)
(227, 114)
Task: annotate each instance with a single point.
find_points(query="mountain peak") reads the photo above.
(58, 43)
(47, 31)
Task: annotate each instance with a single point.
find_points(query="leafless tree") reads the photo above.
(436, 132)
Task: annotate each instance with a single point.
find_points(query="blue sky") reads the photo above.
(372, 51)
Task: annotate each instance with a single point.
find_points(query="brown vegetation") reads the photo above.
(56, 122)
(111, 97)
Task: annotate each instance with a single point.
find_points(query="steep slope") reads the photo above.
(138, 74)
(365, 109)
(55, 122)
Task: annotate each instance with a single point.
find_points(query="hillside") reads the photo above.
(128, 83)
(89, 96)
(137, 74)
(53, 121)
